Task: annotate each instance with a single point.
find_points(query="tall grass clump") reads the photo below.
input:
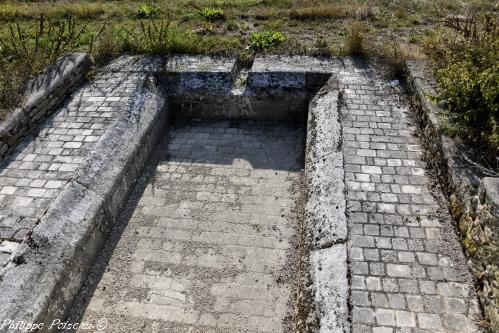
(354, 41)
(466, 57)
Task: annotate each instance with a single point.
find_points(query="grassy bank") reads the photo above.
(34, 33)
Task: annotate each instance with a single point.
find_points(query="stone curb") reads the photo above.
(49, 267)
(41, 96)
(474, 198)
(325, 211)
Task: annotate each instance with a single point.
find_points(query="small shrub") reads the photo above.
(467, 62)
(107, 45)
(26, 44)
(354, 42)
(321, 47)
(260, 41)
(393, 55)
(232, 25)
(415, 39)
(148, 12)
(212, 14)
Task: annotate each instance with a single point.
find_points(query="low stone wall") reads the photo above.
(41, 96)
(473, 196)
(49, 267)
(274, 88)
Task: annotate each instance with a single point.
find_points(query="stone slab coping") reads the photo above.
(173, 64)
(203, 63)
(288, 64)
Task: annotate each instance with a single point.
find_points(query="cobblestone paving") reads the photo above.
(208, 247)
(407, 273)
(45, 162)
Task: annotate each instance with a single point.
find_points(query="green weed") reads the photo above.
(148, 12)
(260, 41)
(28, 49)
(232, 25)
(212, 14)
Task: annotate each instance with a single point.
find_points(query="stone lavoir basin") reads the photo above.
(189, 194)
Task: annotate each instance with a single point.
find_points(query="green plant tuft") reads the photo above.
(260, 41)
(148, 12)
(212, 14)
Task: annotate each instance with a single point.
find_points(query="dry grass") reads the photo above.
(81, 9)
(354, 42)
(334, 10)
(85, 10)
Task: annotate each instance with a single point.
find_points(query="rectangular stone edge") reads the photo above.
(329, 271)
(326, 205)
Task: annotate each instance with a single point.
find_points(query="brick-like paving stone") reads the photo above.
(408, 273)
(209, 245)
(41, 166)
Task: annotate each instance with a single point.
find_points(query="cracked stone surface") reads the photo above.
(40, 167)
(408, 272)
(209, 244)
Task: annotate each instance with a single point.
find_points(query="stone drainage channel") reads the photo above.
(216, 199)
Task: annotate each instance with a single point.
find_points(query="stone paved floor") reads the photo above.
(407, 270)
(45, 162)
(208, 247)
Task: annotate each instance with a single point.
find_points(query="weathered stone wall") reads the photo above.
(474, 198)
(62, 246)
(42, 94)
(274, 88)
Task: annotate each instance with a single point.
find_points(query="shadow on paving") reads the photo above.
(251, 146)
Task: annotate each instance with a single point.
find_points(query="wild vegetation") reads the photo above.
(34, 33)
(466, 58)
